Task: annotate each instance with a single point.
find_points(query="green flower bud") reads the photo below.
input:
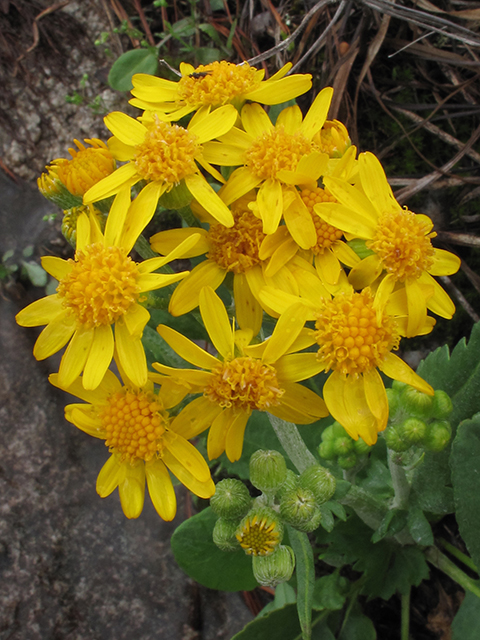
(260, 532)
(320, 482)
(361, 447)
(415, 402)
(291, 482)
(176, 198)
(231, 499)
(437, 436)
(328, 434)
(224, 534)
(399, 386)
(348, 461)
(274, 569)
(393, 397)
(268, 470)
(297, 507)
(337, 430)
(412, 430)
(442, 406)
(394, 440)
(312, 524)
(343, 445)
(326, 450)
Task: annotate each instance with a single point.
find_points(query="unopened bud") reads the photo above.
(231, 499)
(438, 435)
(343, 445)
(361, 447)
(297, 507)
(412, 430)
(326, 449)
(348, 461)
(320, 482)
(415, 402)
(442, 405)
(224, 534)
(269, 571)
(268, 470)
(291, 482)
(394, 440)
(393, 397)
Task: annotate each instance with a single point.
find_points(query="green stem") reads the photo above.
(436, 557)
(292, 442)
(401, 485)
(188, 217)
(467, 561)
(143, 248)
(405, 628)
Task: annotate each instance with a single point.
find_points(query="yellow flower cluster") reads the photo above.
(290, 198)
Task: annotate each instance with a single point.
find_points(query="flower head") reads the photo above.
(242, 378)
(274, 157)
(215, 84)
(403, 256)
(99, 290)
(136, 427)
(260, 532)
(165, 155)
(333, 138)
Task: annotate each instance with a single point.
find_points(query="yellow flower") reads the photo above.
(235, 250)
(165, 155)
(98, 290)
(274, 158)
(215, 84)
(333, 138)
(403, 256)
(88, 166)
(355, 338)
(243, 378)
(70, 217)
(136, 427)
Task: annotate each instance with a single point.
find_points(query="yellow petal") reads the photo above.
(216, 124)
(109, 477)
(240, 182)
(248, 311)
(56, 267)
(116, 217)
(382, 295)
(281, 90)
(235, 434)
(126, 129)
(132, 489)
(187, 349)
(300, 224)
(193, 377)
(202, 489)
(304, 400)
(286, 331)
(75, 356)
(217, 324)
(255, 121)
(160, 488)
(186, 295)
(281, 256)
(317, 114)
(187, 455)
(218, 433)
(110, 384)
(352, 198)
(55, 335)
(209, 199)
(86, 419)
(136, 318)
(223, 154)
(417, 308)
(445, 263)
(395, 368)
(345, 254)
(375, 185)
(376, 397)
(290, 119)
(328, 267)
(345, 218)
(365, 272)
(40, 312)
(153, 281)
(83, 232)
(166, 241)
(197, 416)
(120, 151)
(99, 356)
(179, 252)
(125, 176)
(270, 204)
(139, 214)
(131, 354)
(298, 366)
(440, 302)
(279, 301)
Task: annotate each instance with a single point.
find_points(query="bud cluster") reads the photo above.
(257, 526)
(417, 420)
(339, 447)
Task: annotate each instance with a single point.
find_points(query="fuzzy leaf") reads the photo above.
(305, 572)
(466, 624)
(130, 63)
(330, 592)
(202, 560)
(283, 624)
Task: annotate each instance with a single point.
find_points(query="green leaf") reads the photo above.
(419, 527)
(357, 627)
(466, 624)
(305, 572)
(283, 624)
(35, 273)
(130, 63)
(465, 463)
(330, 592)
(393, 522)
(327, 521)
(196, 553)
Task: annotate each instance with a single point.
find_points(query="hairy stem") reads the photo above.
(293, 443)
(436, 557)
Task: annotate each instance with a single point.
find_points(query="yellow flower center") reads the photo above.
(236, 249)
(135, 423)
(88, 166)
(258, 536)
(244, 383)
(167, 154)
(326, 233)
(333, 138)
(350, 338)
(70, 217)
(101, 286)
(403, 244)
(276, 150)
(216, 83)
